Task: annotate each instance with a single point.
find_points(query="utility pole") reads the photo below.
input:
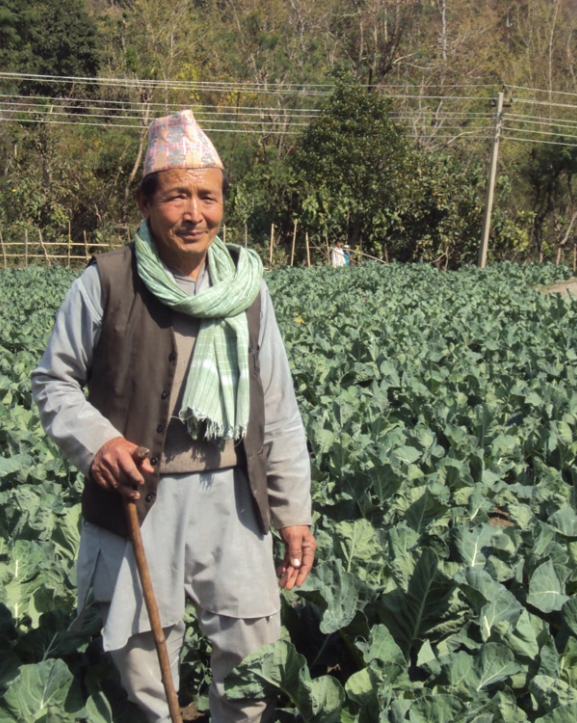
(482, 262)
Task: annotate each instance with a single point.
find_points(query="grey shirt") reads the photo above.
(230, 571)
(80, 430)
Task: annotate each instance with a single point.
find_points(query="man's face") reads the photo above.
(185, 215)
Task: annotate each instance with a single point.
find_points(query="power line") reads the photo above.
(540, 120)
(212, 86)
(226, 86)
(541, 90)
(525, 101)
(69, 102)
(533, 141)
(540, 133)
(423, 123)
(134, 127)
(220, 85)
(29, 110)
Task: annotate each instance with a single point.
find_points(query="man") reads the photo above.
(175, 338)
(338, 255)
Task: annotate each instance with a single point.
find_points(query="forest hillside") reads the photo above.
(371, 121)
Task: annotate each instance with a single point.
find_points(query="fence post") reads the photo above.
(3, 251)
(308, 249)
(69, 250)
(271, 243)
(224, 234)
(25, 247)
(294, 242)
(85, 245)
(43, 247)
(245, 236)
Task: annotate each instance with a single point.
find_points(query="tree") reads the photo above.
(552, 174)
(49, 37)
(371, 34)
(347, 164)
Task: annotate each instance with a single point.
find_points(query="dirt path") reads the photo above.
(569, 286)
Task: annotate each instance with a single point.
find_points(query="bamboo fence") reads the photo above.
(33, 248)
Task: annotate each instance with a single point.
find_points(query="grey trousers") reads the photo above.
(232, 640)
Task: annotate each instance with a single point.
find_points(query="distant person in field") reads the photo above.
(175, 338)
(338, 255)
(347, 254)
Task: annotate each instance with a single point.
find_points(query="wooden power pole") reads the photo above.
(482, 262)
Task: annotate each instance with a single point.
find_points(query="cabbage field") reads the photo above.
(441, 411)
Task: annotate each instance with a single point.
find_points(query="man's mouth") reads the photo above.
(191, 235)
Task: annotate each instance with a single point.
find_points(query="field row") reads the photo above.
(441, 412)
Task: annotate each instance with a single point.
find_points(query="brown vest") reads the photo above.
(130, 383)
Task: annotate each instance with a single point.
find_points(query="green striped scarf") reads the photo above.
(216, 401)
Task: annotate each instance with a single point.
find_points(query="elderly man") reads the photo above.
(175, 338)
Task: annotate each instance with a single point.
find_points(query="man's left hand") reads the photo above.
(300, 548)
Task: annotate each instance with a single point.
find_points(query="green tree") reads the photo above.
(347, 165)
(50, 37)
(10, 33)
(552, 174)
(439, 213)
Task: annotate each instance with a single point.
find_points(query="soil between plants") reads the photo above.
(566, 287)
(191, 713)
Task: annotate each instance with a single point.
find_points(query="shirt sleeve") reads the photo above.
(288, 463)
(59, 379)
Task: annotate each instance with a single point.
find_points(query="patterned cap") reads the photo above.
(177, 141)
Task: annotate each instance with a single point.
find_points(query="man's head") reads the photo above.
(339, 244)
(181, 194)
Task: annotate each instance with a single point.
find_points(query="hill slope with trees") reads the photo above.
(366, 120)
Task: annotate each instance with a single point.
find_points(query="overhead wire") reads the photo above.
(423, 123)
(541, 90)
(544, 140)
(216, 85)
(541, 133)
(80, 115)
(94, 104)
(134, 127)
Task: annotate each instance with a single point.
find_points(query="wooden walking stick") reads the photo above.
(150, 601)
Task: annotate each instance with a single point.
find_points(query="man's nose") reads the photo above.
(192, 210)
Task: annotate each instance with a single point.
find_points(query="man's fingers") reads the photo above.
(289, 577)
(300, 548)
(114, 467)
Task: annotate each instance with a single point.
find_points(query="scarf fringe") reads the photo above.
(201, 427)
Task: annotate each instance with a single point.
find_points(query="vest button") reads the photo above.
(159, 428)
(172, 356)
(164, 395)
(149, 498)
(153, 460)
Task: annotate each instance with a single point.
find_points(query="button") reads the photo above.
(154, 460)
(149, 498)
(164, 395)
(159, 428)
(172, 356)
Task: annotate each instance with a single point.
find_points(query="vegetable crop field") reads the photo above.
(441, 411)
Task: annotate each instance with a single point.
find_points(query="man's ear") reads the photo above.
(143, 204)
